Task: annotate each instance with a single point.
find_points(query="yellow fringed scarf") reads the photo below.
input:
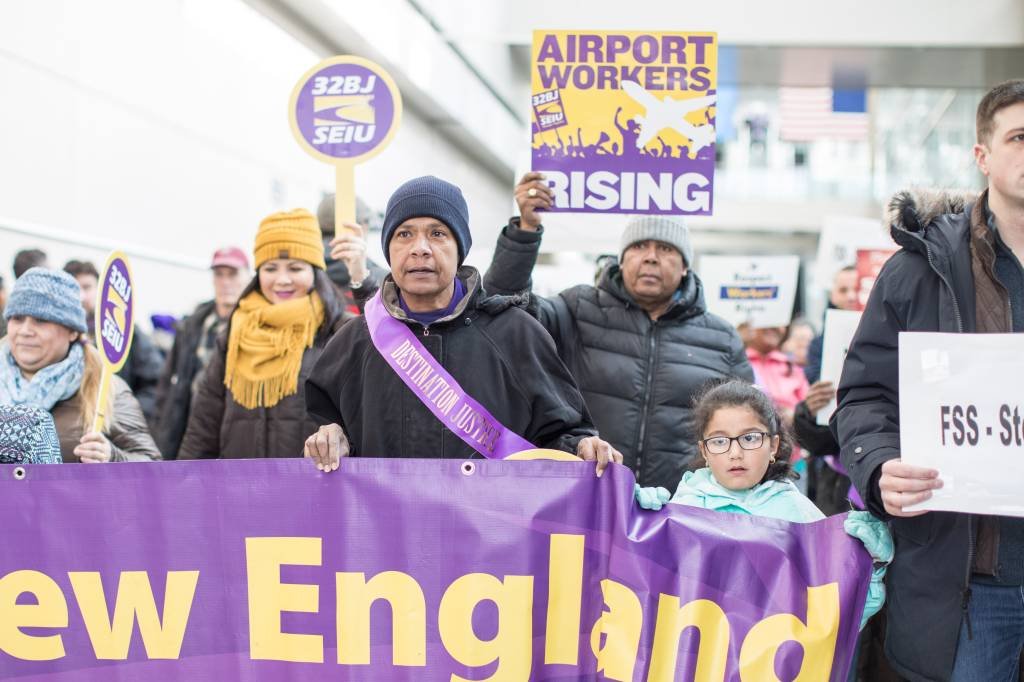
(266, 345)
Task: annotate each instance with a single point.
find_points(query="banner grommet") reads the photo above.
(468, 468)
(19, 473)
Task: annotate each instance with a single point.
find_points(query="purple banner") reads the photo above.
(407, 570)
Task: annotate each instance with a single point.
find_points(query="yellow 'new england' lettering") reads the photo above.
(817, 637)
(134, 602)
(408, 617)
(49, 611)
(512, 646)
(268, 597)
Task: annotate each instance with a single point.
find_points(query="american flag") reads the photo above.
(809, 114)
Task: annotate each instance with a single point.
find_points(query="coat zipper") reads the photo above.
(652, 330)
(966, 592)
(956, 304)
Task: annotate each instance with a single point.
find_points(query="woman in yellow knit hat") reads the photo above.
(248, 402)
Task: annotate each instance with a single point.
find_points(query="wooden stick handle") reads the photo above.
(100, 420)
(344, 197)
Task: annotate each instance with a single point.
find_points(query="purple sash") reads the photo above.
(436, 388)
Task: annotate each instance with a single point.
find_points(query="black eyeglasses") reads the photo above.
(719, 445)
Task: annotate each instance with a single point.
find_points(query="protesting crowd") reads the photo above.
(307, 348)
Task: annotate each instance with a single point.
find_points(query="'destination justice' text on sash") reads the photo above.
(436, 388)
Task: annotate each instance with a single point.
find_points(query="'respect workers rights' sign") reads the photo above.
(624, 121)
(754, 290)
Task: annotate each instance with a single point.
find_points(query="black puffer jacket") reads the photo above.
(497, 353)
(926, 286)
(638, 376)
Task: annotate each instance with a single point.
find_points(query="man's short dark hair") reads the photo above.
(26, 259)
(1003, 95)
(81, 267)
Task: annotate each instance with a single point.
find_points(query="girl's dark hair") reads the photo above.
(334, 308)
(737, 393)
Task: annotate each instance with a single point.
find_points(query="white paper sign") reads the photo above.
(840, 326)
(962, 412)
(759, 290)
(840, 239)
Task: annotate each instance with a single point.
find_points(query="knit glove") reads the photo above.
(651, 498)
(878, 542)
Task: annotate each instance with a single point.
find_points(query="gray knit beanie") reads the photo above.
(428, 197)
(661, 229)
(51, 295)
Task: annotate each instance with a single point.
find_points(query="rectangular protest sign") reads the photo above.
(960, 413)
(756, 290)
(624, 121)
(407, 570)
(840, 326)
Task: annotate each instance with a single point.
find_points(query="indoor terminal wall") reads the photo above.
(161, 128)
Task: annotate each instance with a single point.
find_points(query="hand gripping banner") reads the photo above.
(434, 570)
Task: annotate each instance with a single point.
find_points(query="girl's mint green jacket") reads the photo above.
(779, 500)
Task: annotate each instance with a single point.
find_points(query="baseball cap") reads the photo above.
(231, 256)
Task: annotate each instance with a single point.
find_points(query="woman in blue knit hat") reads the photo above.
(46, 363)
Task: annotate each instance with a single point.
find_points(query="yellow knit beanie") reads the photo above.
(290, 234)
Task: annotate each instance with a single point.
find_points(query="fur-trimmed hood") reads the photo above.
(935, 223)
(914, 209)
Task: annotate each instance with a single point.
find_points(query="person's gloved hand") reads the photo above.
(873, 533)
(878, 542)
(651, 498)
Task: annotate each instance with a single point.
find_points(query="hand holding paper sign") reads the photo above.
(903, 485)
(819, 395)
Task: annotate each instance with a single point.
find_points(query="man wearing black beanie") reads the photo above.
(450, 339)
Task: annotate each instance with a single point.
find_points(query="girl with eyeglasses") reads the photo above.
(746, 451)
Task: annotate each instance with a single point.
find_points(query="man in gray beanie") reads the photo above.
(641, 343)
(387, 383)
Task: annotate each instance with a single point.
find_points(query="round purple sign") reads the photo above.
(114, 316)
(345, 109)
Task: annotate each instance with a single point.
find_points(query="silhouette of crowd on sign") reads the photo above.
(578, 147)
